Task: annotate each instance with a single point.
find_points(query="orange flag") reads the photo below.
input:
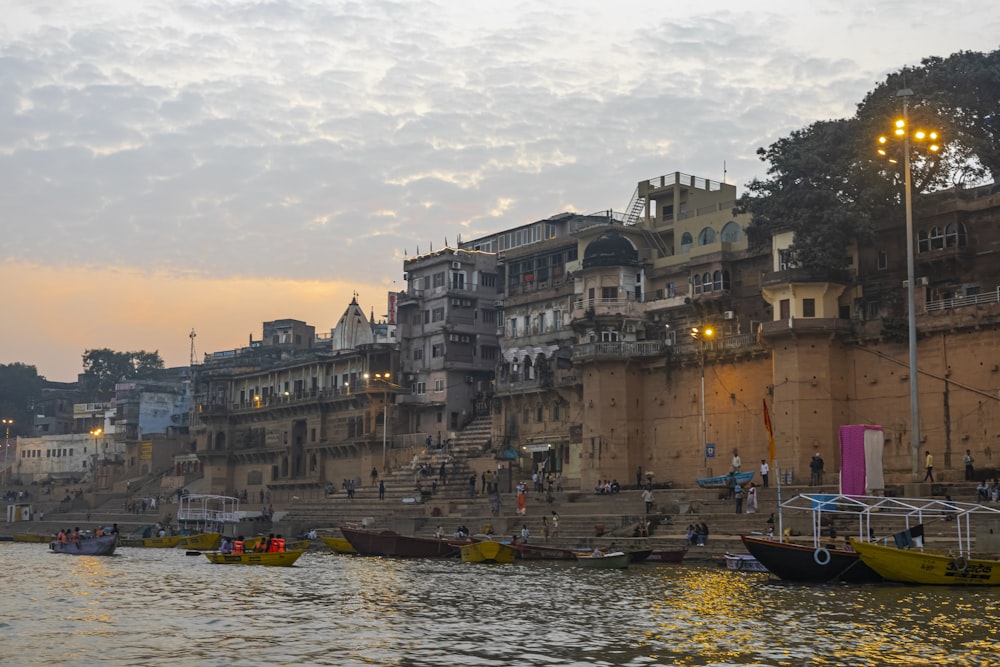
(770, 432)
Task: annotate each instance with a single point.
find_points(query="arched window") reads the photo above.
(725, 280)
(706, 282)
(696, 283)
(731, 232)
(717, 280)
(706, 236)
(923, 241)
(954, 235)
(686, 242)
(937, 238)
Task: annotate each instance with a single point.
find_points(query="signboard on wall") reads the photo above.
(145, 451)
(391, 316)
(709, 450)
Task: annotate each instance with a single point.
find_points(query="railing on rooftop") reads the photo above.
(959, 301)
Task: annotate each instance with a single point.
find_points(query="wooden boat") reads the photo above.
(270, 558)
(743, 563)
(31, 537)
(616, 560)
(722, 482)
(168, 542)
(667, 555)
(200, 542)
(792, 561)
(391, 544)
(338, 544)
(822, 559)
(488, 551)
(527, 551)
(95, 546)
(638, 555)
(914, 566)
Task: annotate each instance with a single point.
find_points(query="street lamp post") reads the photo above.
(701, 335)
(902, 130)
(7, 423)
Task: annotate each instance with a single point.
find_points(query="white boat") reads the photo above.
(743, 563)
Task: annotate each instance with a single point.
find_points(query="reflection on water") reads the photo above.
(162, 607)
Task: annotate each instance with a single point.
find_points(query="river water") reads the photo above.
(162, 607)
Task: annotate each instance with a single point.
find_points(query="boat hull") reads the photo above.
(200, 542)
(488, 552)
(910, 566)
(667, 555)
(723, 481)
(799, 562)
(31, 537)
(339, 544)
(268, 559)
(743, 563)
(153, 542)
(613, 561)
(393, 545)
(538, 552)
(98, 546)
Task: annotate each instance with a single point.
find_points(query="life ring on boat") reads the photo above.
(961, 563)
(821, 556)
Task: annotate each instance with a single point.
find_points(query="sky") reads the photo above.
(209, 165)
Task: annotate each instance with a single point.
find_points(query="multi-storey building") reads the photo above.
(448, 322)
(296, 410)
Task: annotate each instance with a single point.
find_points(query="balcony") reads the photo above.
(603, 306)
(618, 350)
(800, 275)
(961, 301)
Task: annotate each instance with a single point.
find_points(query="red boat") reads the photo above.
(391, 544)
(675, 555)
(526, 551)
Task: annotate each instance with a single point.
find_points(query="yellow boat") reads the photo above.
(31, 537)
(338, 544)
(912, 566)
(271, 558)
(151, 542)
(488, 551)
(200, 541)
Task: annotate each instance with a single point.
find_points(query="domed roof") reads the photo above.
(610, 249)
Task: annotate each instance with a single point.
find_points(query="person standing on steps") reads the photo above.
(816, 470)
(381, 489)
(374, 475)
(969, 470)
(929, 464)
(737, 462)
(647, 497)
(739, 499)
(765, 470)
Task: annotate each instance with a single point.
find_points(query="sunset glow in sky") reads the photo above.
(212, 164)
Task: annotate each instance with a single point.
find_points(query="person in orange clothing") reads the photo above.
(238, 545)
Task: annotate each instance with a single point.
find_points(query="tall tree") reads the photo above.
(20, 389)
(104, 368)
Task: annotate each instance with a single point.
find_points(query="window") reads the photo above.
(731, 232)
(541, 323)
(439, 385)
(937, 238)
(609, 292)
(418, 354)
(419, 388)
(706, 236)
(489, 316)
(439, 279)
(489, 352)
(427, 317)
(717, 281)
(706, 282)
(437, 350)
(808, 307)
(555, 412)
(609, 336)
(539, 414)
(696, 283)
(437, 315)
(686, 242)
(571, 255)
(784, 309)
(882, 261)
(954, 235)
(556, 320)
(457, 280)
(513, 327)
(488, 279)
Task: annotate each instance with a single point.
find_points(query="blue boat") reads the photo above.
(722, 481)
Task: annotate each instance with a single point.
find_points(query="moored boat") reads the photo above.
(95, 546)
(722, 481)
(743, 563)
(338, 544)
(792, 561)
(639, 555)
(200, 541)
(391, 544)
(167, 542)
(488, 551)
(268, 558)
(915, 566)
(32, 538)
(526, 551)
(675, 555)
(616, 560)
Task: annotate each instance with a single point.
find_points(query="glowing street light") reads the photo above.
(701, 335)
(930, 139)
